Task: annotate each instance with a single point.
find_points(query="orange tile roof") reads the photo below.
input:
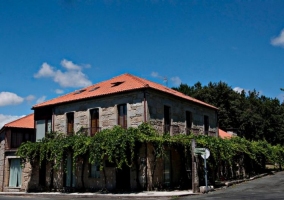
(224, 134)
(24, 122)
(122, 83)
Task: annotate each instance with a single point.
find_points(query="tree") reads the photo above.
(254, 117)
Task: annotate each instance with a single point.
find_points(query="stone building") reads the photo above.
(12, 176)
(128, 101)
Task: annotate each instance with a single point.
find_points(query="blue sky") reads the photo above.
(49, 48)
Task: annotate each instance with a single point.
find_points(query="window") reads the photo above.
(117, 83)
(167, 119)
(70, 178)
(15, 178)
(42, 173)
(122, 115)
(17, 138)
(188, 116)
(94, 171)
(79, 91)
(93, 89)
(206, 124)
(70, 123)
(42, 127)
(167, 168)
(94, 121)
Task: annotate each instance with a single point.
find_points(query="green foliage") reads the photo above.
(117, 145)
(252, 115)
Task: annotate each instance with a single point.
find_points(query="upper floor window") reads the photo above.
(188, 116)
(17, 138)
(206, 124)
(95, 126)
(167, 119)
(122, 115)
(42, 127)
(70, 123)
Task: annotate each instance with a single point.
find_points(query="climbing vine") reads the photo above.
(117, 145)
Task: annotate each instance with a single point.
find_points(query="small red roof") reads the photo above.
(122, 83)
(24, 122)
(224, 134)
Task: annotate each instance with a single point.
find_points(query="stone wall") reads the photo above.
(107, 111)
(178, 107)
(148, 168)
(108, 114)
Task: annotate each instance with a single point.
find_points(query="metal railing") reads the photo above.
(172, 129)
(91, 130)
(197, 131)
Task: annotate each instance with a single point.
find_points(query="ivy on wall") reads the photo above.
(118, 146)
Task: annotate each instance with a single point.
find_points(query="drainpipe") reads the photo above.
(146, 145)
(52, 120)
(145, 111)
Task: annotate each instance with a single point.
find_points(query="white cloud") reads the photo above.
(8, 98)
(155, 74)
(70, 65)
(58, 91)
(45, 71)
(281, 97)
(4, 119)
(176, 80)
(73, 77)
(238, 89)
(278, 41)
(30, 98)
(41, 99)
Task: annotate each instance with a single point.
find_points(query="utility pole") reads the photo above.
(195, 178)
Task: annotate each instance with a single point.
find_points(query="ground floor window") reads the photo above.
(15, 178)
(167, 168)
(70, 176)
(94, 170)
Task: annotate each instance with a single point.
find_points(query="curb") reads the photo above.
(230, 183)
(92, 195)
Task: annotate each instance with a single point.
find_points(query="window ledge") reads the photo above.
(10, 150)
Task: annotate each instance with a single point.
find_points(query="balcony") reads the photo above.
(90, 131)
(172, 129)
(197, 131)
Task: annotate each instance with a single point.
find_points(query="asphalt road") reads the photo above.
(269, 187)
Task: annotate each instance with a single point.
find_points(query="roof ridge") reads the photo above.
(36, 105)
(18, 119)
(137, 78)
(175, 91)
(134, 82)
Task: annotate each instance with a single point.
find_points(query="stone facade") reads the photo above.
(108, 113)
(154, 112)
(7, 153)
(156, 102)
(142, 106)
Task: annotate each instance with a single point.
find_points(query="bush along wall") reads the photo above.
(230, 158)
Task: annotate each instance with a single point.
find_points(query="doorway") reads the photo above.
(15, 178)
(123, 178)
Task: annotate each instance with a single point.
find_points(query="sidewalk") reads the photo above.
(144, 194)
